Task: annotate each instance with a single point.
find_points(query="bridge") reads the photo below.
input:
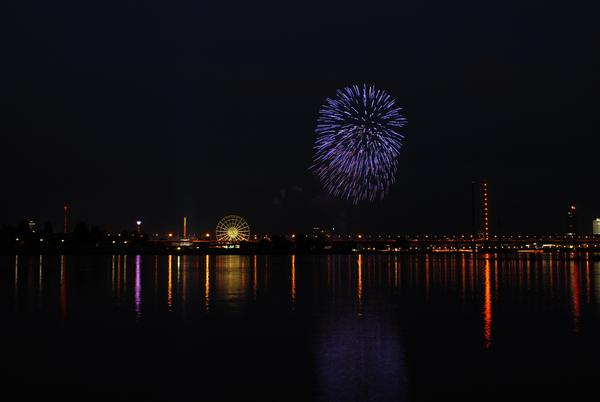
(425, 243)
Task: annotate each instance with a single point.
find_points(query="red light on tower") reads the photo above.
(486, 215)
(66, 218)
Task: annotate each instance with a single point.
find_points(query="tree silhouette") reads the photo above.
(48, 231)
(81, 233)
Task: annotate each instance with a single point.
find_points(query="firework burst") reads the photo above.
(358, 143)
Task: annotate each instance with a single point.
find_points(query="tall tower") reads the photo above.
(572, 220)
(480, 210)
(66, 218)
(185, 227)
(474, 223)
(486, 212)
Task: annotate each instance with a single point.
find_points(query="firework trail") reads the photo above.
(358, 143)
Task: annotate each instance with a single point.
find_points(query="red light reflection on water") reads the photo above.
(575, 294)
(487, 305)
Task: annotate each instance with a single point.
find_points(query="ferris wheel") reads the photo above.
(232, 228)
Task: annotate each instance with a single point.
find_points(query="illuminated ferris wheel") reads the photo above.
(232, 228)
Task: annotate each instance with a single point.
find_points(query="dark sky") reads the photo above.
(150, 109)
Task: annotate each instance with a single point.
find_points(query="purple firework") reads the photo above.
(358, 143)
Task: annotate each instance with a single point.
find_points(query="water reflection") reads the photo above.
(293, 275)
(155, 276)
(112, 273)
(232, 279)
(16, 283)
(487, 309)
(63, 288)
(254, 278)
(575, 297)
(170, 283)
(396, 273)
(463, 270)
(551, 269)
(118, 292)
(346, 327)
(359, 286)
(597, 281)
(228, 283)
(178, 275)
(125, 273)
(427, 276)
(207, 284)
(40, 276)
(588, 281)
(184, 282)
(138, 287)
(360, 360)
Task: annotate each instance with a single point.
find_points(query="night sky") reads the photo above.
(155, 110)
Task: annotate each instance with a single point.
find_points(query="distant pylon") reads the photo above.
(480, 209)
(66, 218)
(486, 212)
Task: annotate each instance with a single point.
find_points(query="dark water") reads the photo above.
(298, 328)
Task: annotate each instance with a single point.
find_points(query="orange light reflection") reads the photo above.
(293, 279)
(207, 285)
(487, 307)
(170, 284)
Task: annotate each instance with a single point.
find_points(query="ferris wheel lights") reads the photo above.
(232, 228)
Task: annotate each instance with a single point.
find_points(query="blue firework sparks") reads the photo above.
(358, 143)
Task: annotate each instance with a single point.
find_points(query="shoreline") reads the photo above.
(589, 255)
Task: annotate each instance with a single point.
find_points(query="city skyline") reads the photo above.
(214, 119)
(479, 222)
